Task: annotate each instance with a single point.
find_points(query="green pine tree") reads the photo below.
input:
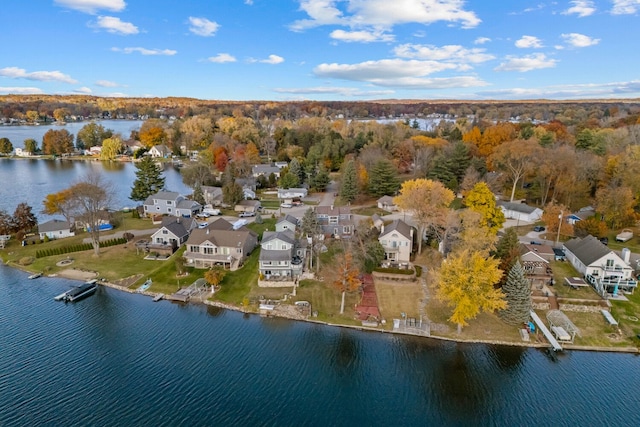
(149, 180)
(349, 184)
(322, 179)
(383, 179)
(517, 292)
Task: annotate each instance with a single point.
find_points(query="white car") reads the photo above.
(246, 214)
(286, 205)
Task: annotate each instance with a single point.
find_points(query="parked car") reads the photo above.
(286, 205)
(538, 228)
(202, 215)
(604, 240)
(246, 214)
(625, 235)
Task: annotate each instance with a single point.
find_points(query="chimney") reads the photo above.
(207, 230)
(331, 207)
(626, 255)
(382, 229)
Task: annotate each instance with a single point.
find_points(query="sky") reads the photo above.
(342, 50)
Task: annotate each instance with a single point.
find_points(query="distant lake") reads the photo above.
(17, 134)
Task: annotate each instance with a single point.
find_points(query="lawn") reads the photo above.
(396, 298)
(237, 285)
(326, 301)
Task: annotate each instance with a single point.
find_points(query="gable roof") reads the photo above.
(588, 249)
(286, 236)
(288, 218)
(187, 223)
(541, 250)
(397, 225)
(221, 238)
(333, 210)
(386, 200)
(188, 204)
(265, 169)
(53, 225)
(176, 228)
(162, 195)
(253, 203)
(532, 250)
(220, 224)
(518, 207)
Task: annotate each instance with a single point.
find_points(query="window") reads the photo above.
(208, 250)
(165, 232)
(169, 202)
(346, 230)
(609, 263)
(169, 210)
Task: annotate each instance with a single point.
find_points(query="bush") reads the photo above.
(26, 260)
(406, 271)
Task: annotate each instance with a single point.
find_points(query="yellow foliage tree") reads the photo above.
(553, 218)
(481, 200)
(347, 280)
(363, 178)
(111, 147)
(61, 203)
(214, 276)
(466, 282)
(152, 136)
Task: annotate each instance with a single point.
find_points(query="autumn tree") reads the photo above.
(61, 203)
(515, 158)
(149, 180)
(111, 147)
(56, 142)
(466, 282)
(428, 201)
(151, 136)
(481, 200)
(92, 134)
(554, 219)
(214, 276)
(349, 182)
(60, 114)
(23, 219)
(466, 230)
(6, 146)
(517, 292)
(616, 206)
(6, 223)
(590, 226)
(383, 179)
(347, 280)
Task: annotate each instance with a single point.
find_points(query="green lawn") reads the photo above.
(237, 285)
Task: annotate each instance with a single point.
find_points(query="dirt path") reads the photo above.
(73, 274)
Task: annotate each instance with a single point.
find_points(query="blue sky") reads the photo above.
(322, 49)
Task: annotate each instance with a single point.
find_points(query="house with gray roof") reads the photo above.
(281, 257)
(335, 221)
(604, 269)
(170, 203)
(159, 151)
(173, 232)
(265, 170)
(386, 203)
(55, 229)
(520, 211)
(287, 222)
(212, 195)
(397, 240)
(220, 244)
(248, 206)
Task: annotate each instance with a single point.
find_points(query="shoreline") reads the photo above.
(567, 346)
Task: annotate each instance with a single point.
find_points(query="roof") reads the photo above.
(399, 226)
(286, 236)
(333, 210)
(162, 195)
(220, 224)
(213, 192)
(221, 238)
(386, 200)
(518, 207)
(253, 203)
(275, 255)
(177, 228)
(538, 249)
(588, 249)
(188, 204)
(264, 169)
(53, 225)
(289, 218)
(186, 222)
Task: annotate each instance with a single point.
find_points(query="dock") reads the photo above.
(547, 333)
(158, 297)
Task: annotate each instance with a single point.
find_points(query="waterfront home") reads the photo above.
(131, 146)
(170, 203)
(335, 221)
(265, 170)
(159, 151)
(535, 263)
(55, 229)
(220, 244)
(281, 257)
(174, 232)
(397, 240)
(287, 222)
(248, 206)
(604, 269)
(520, 211)
(21, 152)
(386, 203)
(212, 195)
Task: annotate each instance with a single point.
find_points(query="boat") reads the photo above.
(35, 276)
(78, 292)
(146, 285)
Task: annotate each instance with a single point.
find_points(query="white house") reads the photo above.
(248, 206)
(55, 229)
(386, 203)
(287, 222)
(21, 152)
(602, 268)
(292, 193)
(159, 151)
(582, 214)
(170, 203)
(397, 241)
(520, 211)
(212, 195)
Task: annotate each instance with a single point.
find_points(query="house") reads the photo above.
(582, 214)
(520, 211)
(397, 240)
(605, 270)
(248, 206)
(212, 195)
(55, 229)
(170, 203)
(281, 258)
(287, 222)
(96, 150)
(535, 263)
(219, 243)
(21, 152)
(386, 203)
(265, 170)
(335, 221)
(159, 151)
(173, 233)
(281, 165)
(248, 193)
(131, 146)
(288, 194)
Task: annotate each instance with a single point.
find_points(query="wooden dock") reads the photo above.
(547, 333)
(158, 297)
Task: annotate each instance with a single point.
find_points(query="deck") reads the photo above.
(547, 334)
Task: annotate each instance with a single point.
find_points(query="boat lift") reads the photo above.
(547, 333)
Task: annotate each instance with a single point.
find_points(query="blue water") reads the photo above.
(117, 359)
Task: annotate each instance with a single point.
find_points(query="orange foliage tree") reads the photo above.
(347, 280)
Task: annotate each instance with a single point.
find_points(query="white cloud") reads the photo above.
(526, 63)
(221, 58)
(249, 2)
(579, 40)
(528, 42)
(116, 26)
(85, 90)
(21, 90)
(43, 76)
(381, 14)
(272, 59)
(451, 53)
(581, 8)
(106, 83)
(589, 90)
(92, 6)
(144, 51)
(362, 36)
(481, 40)
(203, 27)
(625, 7)
(329, 90)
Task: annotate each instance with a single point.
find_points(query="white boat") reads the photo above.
(78, 292)
(35, 276)
(146, 285)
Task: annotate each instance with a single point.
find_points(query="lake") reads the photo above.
(117, 359)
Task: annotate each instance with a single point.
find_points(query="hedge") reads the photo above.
(42, 253)
(407, 271)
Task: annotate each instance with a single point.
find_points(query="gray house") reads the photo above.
(281, 258)
(170, 203)
(335, 221)
(174, 232)
(287, 222)
(55, 229)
